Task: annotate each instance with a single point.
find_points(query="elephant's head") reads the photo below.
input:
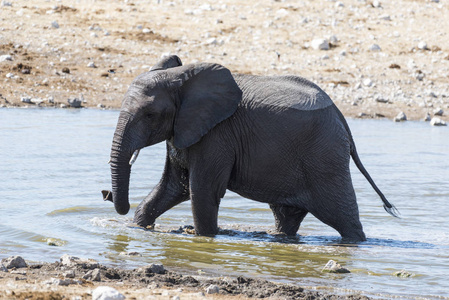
(171, 102)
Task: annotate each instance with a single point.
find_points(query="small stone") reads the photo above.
(437, 122)
(5, 57)
(6, 3)
(63, 105)
(438, 112)
(75, 102)
(422, 46)
(100, 105)
(25, 99)
(385, 17)
(3, 268)
(374, 48)
(339, 4)
(61, 282)
(427, 117)
(376, 4)
(212, 289)
(91, 65)
(93, 275)
(320, 44)
(333, 267)
(212, 41)
(381, 99)
(106, 293)
(69, 274)
(10, 75)
(153, 268)
(14, 262)
(66, 70)
(132, 253)
(367, 82)
(73, 261)
(403, 274)
(55, 24)
(146, 30)
(400, 117)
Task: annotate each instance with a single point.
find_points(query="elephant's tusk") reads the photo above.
(134, 157)
(109, 161)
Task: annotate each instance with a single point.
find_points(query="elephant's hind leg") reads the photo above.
(337, 207)
(288, 218)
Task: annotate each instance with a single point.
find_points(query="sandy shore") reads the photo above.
(78, 278)
(383, 57)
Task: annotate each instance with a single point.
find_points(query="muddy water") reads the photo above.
(54, 164)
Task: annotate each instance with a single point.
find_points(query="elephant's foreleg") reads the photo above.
(288, 218)
(205, 212)
(171, 190)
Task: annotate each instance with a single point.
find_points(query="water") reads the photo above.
(54, 164)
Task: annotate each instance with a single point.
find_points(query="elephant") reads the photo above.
(278, 140)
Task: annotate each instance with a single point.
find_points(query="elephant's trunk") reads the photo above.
(120, 168)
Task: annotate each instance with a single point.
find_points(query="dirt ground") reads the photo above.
(384, 57)
(54, 281)
(51, 51)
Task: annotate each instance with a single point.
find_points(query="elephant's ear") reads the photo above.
(209, 95)
(167, 62)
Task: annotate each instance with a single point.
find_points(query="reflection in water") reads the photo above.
(57, 165)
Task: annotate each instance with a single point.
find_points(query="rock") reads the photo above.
(339, 4)
(400, 117)
(153, 268)
(437, 122)
(212, 289)
(106, 293)
(367, 82)
(427, 117)
(91, 65)
(93, 275)
(66, 70)
(55, 24)
(14, 262)
(63, 105)
(73, 261)
(100, 105)
(25, 99)
(6, 3)
(3, 268)
(320, 44)
(10, 75)
(376, 4)
(403, 274)
(333, 267)
(385, 17)
(132, 253)
(69, 274)
(5, 57)
(75, 102)
(438, 112)
(422, 46)
(374, 48)
(61, 282)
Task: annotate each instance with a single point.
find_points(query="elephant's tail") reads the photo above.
(390, 208)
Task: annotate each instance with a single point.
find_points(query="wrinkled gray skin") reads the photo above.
(278, 140)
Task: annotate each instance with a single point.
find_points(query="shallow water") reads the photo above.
(54, 164)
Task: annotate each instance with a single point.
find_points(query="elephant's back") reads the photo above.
(283, 92)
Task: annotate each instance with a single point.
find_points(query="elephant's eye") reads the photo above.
(149, 116)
